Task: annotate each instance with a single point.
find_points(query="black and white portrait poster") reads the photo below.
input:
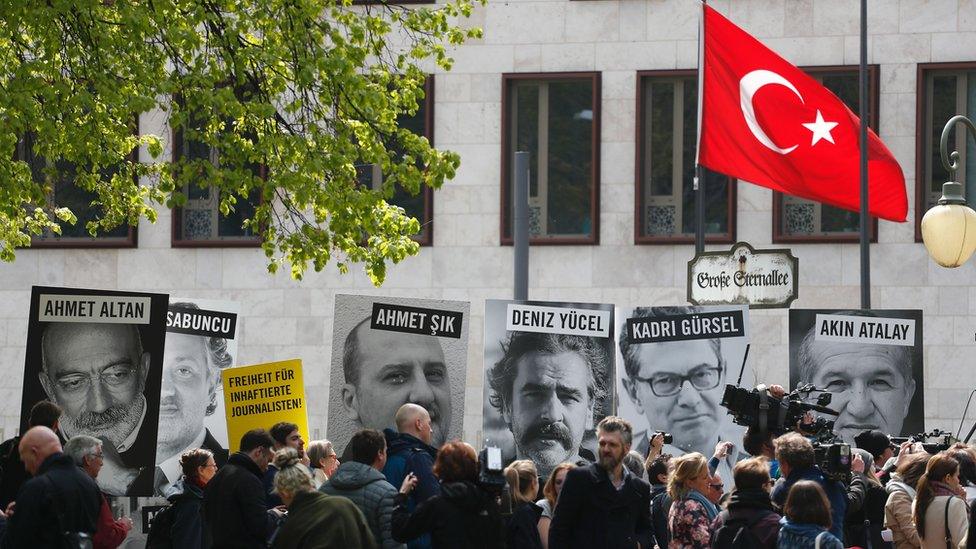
(99, 356)
(388, 351)
(870, 361)
(673, 365)
(548, 368)
(201, 343)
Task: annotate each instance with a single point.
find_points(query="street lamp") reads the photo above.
(949, 229)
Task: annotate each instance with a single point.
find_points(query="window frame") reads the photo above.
(131, 240)
(728, 237)
(874, 97)
(506, 167)
(921, 135)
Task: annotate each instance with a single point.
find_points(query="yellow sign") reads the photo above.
(258, 396)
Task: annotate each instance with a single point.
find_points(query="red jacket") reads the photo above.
(110, 532)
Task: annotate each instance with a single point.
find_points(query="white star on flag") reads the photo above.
(821, 129)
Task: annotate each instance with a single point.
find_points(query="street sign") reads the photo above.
(762, 279)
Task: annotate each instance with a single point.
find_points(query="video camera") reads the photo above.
(491, 474)
(834, 460)
(944, 440)
(757, 408)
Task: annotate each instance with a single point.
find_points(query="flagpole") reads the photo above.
(699, 181)
(863, 108)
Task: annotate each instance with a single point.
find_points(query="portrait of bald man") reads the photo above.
(381, 370)
(105, 376)
(873, 386)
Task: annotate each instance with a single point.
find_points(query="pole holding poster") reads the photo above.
(258, 396)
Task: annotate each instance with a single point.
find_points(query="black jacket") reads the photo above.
(188, 525)
(873, 510)
(593, 513)
(660, 506)
(523, 527)
(13, 475)
(752, 507)
(461, 516)
(234, 505)
(59, 485)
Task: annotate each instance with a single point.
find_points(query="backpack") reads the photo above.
(736, 533)
(161, 529)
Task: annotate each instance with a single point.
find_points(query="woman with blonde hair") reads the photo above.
(691, 515)
(940, 511)
(523, 487)
(550, 494)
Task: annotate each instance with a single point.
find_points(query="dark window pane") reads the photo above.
(232, 224)
(527, 130)
(943, 108)
(970, 111)
(570, 156)
(660, 165)
(845, 86)
(836, 220)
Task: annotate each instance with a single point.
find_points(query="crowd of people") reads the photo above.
(393, 489)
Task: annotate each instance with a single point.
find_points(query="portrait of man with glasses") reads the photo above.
(101, 364)
(676, 386)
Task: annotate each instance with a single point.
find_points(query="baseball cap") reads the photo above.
(873, 441)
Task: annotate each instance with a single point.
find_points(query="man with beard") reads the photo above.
(384, 370)
(546, 387)
(97, 374)
(603, 504)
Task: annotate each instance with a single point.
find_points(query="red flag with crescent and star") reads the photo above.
(767, 122)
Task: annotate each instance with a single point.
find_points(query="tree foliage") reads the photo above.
(306, 88)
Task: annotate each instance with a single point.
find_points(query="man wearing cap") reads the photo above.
(882, 450)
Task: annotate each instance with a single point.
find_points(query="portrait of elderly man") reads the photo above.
(547, 388)
(872, 385)
(384, 370)
(677, 386)
(97, 374)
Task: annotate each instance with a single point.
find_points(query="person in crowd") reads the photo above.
(882, 451)
(186, 496)
(602, 504)
(86, 452)
(547, 388)
(657, 473)
(807, 522)
(315, 520)
(462, 515)
(691, 514)
(59, 493)
(409, 453)
(383, 370)
(635, 464)
(323, 460)
(361, 481)
(43, 414)
(796, 458)
(523, 525)
(760, 443)
(967, 469)
(940, 512)
(864, 523)
(748, 507)
(901, 497)
(716, 489)
(550, 492)
(235, 502)
(285, 435)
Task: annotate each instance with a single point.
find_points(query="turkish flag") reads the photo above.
(765, 121)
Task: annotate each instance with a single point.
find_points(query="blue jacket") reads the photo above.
(187, 500)
(836, 494)
(408, 454)
(804, 536)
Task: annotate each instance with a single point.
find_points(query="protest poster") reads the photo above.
(388, 351)
(260, 395)
(98, 355)
(201, 343)
(548, 368)
(674, 363)
(870, 361)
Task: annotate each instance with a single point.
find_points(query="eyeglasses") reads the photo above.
(717, 486)
(702, 378)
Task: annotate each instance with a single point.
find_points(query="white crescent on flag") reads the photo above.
(748, 86)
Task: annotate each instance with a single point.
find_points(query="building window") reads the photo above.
(420, 205)
(667, 108)
(556, 118)
(944, 90)
(59, 177)
(801, 220)
(199, 223)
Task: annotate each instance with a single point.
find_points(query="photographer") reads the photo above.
(760, 444)
(797, 460)
(864, 524)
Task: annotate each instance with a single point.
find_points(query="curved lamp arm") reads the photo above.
(952, 164)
